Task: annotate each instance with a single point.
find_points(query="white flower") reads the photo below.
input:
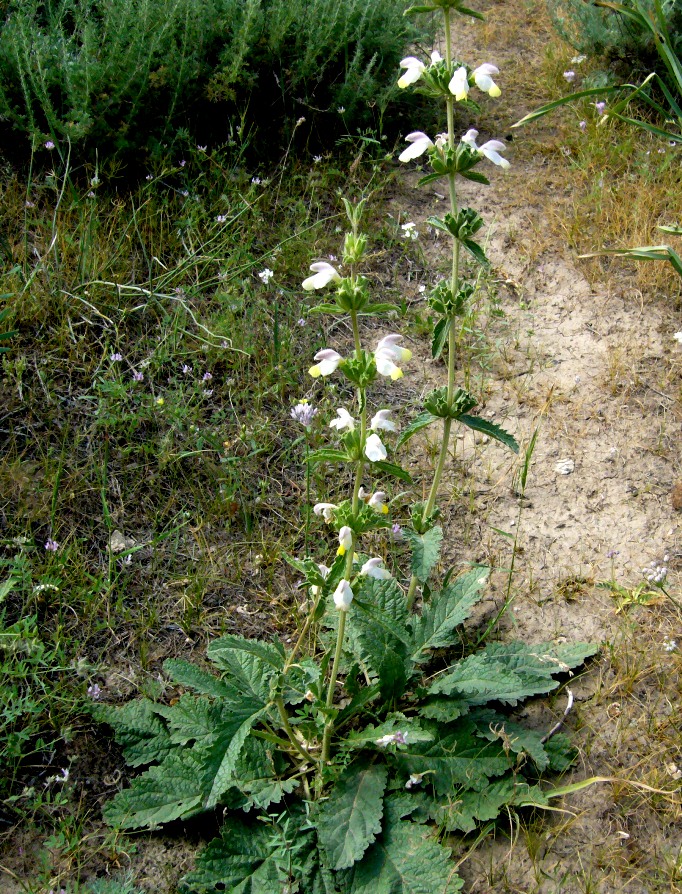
(410, 230)
(375, 568)
(324, 274)
(414, 68)
(380, 421)
(415, 779)
(492, 150)
(483, 80)
(343, 596)
(387, 355)
(326, 510)
(378, 502)
(459, 84)
(678, 336)
(345, 540)
(420, 143)
(266, 275)
(324, 571)
(344, 420)
(577, 60)
(470, 138)
(374, 449)
(328, 362)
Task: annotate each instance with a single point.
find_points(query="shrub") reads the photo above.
(128, 74)
(598, 31)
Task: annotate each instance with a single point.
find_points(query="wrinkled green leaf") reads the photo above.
(187, 674)
(138, 729)
(440, 336)
(490, 429)
(420, 422)
(350, 819)
(425, 551)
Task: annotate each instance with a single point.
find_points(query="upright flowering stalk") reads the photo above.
(451, 81)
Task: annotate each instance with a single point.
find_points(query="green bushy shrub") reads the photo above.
(598, 31)
(127, 73)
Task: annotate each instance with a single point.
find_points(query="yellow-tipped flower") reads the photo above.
(343, 596)
(387, 355)
(483, 80)
(328, 361)
(345, 540)
(459, 84)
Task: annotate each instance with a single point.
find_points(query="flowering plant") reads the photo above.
(339, 749)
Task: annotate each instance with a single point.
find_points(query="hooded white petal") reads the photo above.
(414, 69)
(492, 150)
(386, 366)
(324, 274)
(375, 568)
(378, 502)
(382, 421)
(343, 596)
(420, 142)
(484, 81)
(328, 361)
(389, 345)
(374, 449)
(326, 510)
(470, 138)
(459, 84)
(436, 57)
(343, 420)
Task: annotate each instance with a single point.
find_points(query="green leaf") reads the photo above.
(443, 709)
(222, 759)
(476, 252)
(249, 664)
(326, 309)
(542, 658)
(138, 728)
(475, 176)
(456, 759)
(383, 308)
(561, 751)
(420, 422)
(468, 808)
(166, 792)
(350, 819)
(378, 635)
(393, 469)
(393, 723)
(191, 719)
(187, 674)
(517, 738)
(425, 551)
(327, 456)
(490, 429)
(405, 860)
(445, 612)
(241, 861)
(440, 336)
(256, 778)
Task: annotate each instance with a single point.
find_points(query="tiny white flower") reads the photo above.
(377, 501)
(343, 421)
(414, 68)
(577, 60)
(436, 57)
(326, 510)
(266, 275)
(374, 449)
(678, 336)
(375, 568)
(382, 422)
(420, 143)
(483, 80)
(415, 779)
(324, 273)
(328, 361)
(459, 84)
(410, 230)
(343, 596)
(345, 540)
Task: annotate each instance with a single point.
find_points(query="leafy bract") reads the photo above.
(350, 819)
(435, 629)
(425, 551)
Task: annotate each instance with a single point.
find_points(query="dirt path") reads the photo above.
(602, 373)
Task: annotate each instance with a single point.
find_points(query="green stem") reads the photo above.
(356, 333)
(291, 735)
(329, 728)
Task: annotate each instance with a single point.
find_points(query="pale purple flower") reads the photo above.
(221, 218)
(304, 413)
(207, 376)
(30, 204)
(51, 545)
(201, 148)
(116, 358)
(149, 177)
(138, 377)
(49, 145)
(186, 369)
(583, 126)
(569, 76)
(300, 321)
(207, 392)
(396, 532)
(256, 181)
(182, 163)
(600, 107)
(94, 691)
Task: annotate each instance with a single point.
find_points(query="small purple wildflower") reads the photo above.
(138, 377)
(612, 553)
(94, 691)
(600, 107)
(51, 545)
(300, 321)
(30, 204)
(303, 413)
(49, 145)
(569, 76)
(221, 218)
(207, 392)
(396, 532)
(207, 376)
(201, 148)
(116, 358)
(186, 369)
(182, 163)
(256, 181)
(149, 177)
(583, 126)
